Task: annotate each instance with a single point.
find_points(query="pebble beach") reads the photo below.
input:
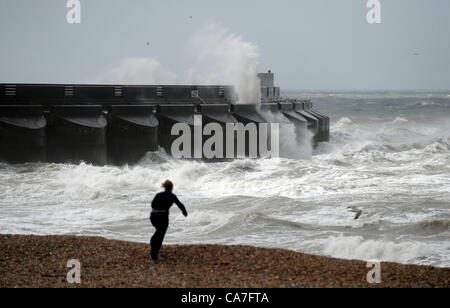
(41, 262)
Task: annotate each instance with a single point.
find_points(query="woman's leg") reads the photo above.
(161, 223)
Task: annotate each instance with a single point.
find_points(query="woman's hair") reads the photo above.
(168, 185)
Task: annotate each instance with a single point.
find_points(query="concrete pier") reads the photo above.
(132, 132)
(22, 133)
(168, 117)
(118, 124)
(249, 114)
(313, 122)
(77, 133)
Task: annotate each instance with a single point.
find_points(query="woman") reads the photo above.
(160, 216)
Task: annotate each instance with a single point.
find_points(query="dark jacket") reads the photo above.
(164, 201)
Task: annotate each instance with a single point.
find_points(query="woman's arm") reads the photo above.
(154, 202)
(181, 206)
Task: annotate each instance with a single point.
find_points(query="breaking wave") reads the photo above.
(382, 250)
(218, 56)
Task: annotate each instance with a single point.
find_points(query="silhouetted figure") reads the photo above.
(160, 216)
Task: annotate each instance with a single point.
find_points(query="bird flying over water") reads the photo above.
(355, 210)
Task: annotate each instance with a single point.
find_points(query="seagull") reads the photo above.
(355, 210)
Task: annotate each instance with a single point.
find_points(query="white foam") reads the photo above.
(356, 247)
(400, 120)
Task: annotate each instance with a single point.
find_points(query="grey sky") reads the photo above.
(310, 44)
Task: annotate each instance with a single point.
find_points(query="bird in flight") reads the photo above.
(355, 210)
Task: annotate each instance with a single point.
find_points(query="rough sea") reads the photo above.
(389, 155)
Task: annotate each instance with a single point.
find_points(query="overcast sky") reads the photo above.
(309, 44)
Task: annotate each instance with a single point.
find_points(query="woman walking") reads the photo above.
(160, 216)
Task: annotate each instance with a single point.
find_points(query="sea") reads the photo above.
(388, 155)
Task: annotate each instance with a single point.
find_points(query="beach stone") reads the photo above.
(40, 262)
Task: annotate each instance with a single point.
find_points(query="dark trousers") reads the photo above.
(161, 223)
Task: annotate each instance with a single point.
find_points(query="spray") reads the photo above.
(220, 57)
(225, 58)
(295, 142)
(138, 71)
